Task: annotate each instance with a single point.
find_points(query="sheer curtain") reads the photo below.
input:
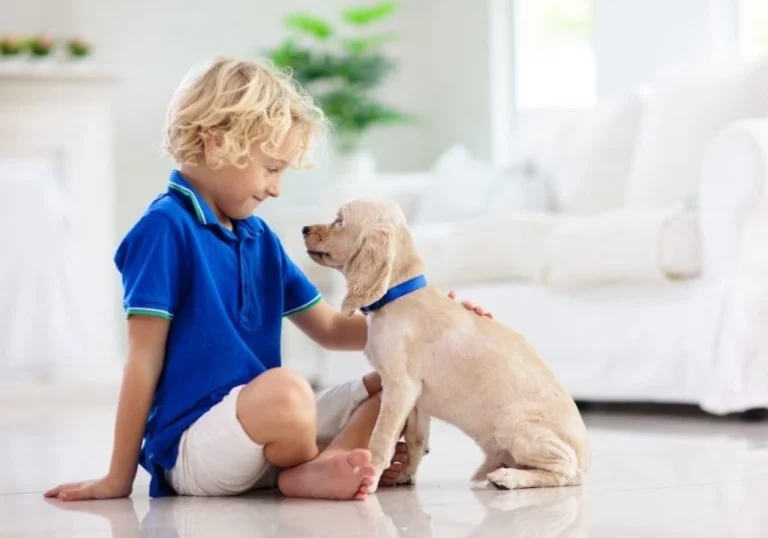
(41, 329)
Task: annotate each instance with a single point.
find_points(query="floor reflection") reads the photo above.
(546, 513)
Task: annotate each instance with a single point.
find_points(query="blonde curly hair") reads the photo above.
(240, 103)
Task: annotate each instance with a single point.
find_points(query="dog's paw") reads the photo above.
(406, 479)
(503, 479)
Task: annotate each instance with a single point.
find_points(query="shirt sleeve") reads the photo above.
(149, 261)
(299, 294)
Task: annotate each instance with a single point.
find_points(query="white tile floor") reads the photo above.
(653, 476)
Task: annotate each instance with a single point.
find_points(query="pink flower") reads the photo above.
(10, 39)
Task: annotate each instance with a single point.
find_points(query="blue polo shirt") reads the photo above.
(225, 293)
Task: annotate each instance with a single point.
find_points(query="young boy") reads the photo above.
(206, 285)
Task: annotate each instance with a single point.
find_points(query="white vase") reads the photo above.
(356, 166)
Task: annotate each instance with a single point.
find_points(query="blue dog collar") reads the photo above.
(409, 286)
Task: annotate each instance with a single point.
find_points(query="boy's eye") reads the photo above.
(273, 170)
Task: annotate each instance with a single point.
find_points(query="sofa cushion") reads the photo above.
(520, 190)
(537, 135)
(647, 245)
(683, 114)
(460, 188)
(623, 246)
(484, 249)
(593, 156)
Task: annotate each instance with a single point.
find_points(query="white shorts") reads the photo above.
(216, 456)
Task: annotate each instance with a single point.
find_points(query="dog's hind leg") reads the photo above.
(506, 478)
(492, 462)
(543, 460)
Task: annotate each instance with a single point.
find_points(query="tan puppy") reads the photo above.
(436, 359)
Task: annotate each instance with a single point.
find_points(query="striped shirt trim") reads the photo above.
(156, 312)
(191, 195)
(304, 307)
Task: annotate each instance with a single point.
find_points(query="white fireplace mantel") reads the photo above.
(58, 286)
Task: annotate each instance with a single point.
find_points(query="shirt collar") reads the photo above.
(200, 207)
(203, 211)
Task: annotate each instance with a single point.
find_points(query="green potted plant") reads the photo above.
(11, 45)
(11, 48)
(78, 48)
(41, 46)
(341, 68)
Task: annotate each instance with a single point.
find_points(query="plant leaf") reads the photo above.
(351, 113)
(305, 65)
(364, 71)
(309, 25)
(362, 16)
(362, 45)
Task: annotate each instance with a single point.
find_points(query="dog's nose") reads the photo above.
(305, 230)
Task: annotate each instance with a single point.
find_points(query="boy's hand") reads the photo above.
(147, 337)
(389, 476)
(469, 305)
(104, 488)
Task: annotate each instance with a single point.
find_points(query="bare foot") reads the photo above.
(345, 476)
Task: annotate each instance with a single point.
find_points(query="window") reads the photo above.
(554, 54)
(753, 28)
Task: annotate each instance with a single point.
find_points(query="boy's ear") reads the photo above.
(211, 141)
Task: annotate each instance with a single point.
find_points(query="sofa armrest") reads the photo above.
(734, 225)
(733, 201)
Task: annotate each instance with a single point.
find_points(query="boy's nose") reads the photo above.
(305, 230)
(273, 191)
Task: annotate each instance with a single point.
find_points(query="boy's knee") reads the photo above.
(284, 396)
(294, 399)
(372, 383)
(370, 407)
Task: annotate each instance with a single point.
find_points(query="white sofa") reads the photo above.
(640, 272)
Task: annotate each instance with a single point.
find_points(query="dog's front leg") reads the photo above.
(398, 398)
(417, 441)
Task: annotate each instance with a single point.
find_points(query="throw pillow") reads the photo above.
(594, 157)
(684, 113)
(460, 188)
(522, 189)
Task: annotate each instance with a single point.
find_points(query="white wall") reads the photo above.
(457, 45)
(404, 147)
(31, 16)
(636, 40)
(464, 82)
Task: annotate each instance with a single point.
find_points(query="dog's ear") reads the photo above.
(368, 271)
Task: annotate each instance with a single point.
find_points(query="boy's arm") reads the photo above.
(146, 355)
(333, 330)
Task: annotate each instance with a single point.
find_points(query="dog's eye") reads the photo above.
(339, 221)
